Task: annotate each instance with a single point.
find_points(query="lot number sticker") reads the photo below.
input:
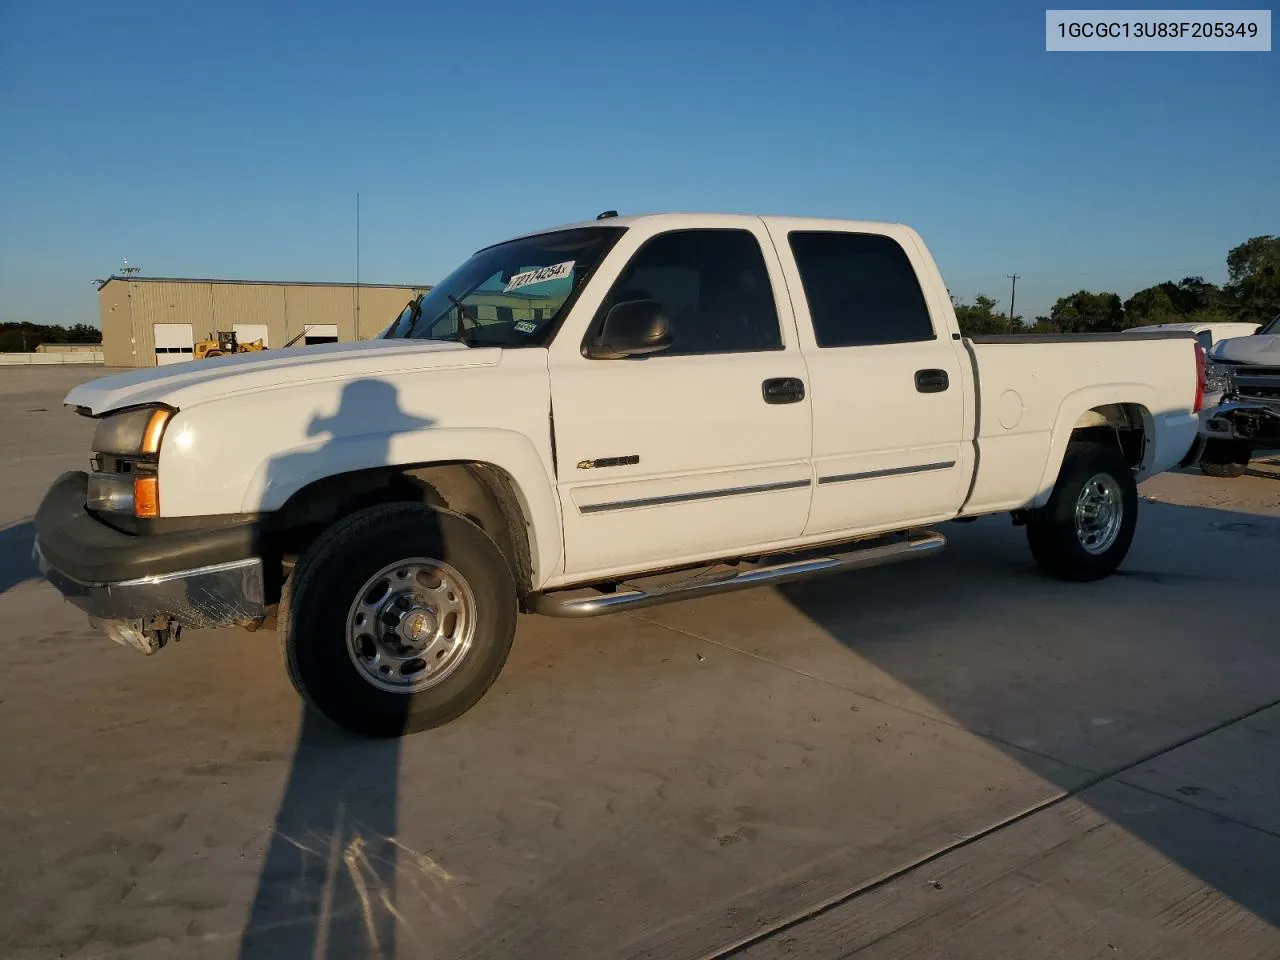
(557, 271)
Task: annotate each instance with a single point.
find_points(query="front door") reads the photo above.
(700, 450)
(888, 386)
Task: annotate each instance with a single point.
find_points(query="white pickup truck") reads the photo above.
(591, 419)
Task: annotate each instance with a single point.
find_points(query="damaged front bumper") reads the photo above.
(148, 611)
(143, 589)
(1254, 421)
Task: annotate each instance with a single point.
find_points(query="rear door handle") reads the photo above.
(783, 390)
(932, 381)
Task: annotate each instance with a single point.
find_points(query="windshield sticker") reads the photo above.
(557, 271)
(525, 326)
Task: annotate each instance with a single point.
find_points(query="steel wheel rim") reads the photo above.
(411, 625)
(1099, 513)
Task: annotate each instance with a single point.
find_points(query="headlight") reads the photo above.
(132, 432)
(1219, 379)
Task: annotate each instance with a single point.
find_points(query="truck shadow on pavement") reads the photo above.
(326, 888)
(16, 565)
(1161, 716)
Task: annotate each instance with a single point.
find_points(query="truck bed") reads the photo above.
(1029, 400)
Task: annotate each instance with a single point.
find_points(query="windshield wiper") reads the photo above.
(417, 315)
(462, 335)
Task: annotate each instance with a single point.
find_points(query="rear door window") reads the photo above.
(861, 289)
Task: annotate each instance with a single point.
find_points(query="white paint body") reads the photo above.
(719, 473)
(1261, 348)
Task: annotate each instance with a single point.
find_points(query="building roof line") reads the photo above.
(266, 283)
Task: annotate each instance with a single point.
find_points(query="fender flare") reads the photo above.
(280, 476)
(1079, 402)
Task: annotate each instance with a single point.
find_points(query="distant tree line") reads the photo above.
(1251, 294)
(25, 337)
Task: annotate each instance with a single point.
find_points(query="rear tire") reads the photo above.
(1084, 532)
(1226, 459)
(377, 589)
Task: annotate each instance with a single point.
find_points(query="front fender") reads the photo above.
(281, 476)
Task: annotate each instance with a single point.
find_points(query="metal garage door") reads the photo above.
(249, 332)
(321, 333)
(174, 343)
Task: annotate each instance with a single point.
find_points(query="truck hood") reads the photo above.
(197, 381)
(1258, 349)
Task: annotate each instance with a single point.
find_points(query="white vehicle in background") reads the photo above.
(1243, 400)
(596, 418)
(1208, 333)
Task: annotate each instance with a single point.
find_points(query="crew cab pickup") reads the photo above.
(590, 419)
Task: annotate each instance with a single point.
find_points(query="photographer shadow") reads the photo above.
(327, 886)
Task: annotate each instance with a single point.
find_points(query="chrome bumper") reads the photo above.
(222, 595)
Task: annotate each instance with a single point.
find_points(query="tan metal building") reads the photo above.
(150, 321)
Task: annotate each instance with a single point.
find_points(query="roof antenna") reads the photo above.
(127, 269)
(608, 214)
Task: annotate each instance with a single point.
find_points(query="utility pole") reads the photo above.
(1013, 293)
(357, 291)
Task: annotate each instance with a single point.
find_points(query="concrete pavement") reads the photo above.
(955, 758)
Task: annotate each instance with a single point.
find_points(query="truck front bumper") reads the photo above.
(1256, 422)
(142, 589)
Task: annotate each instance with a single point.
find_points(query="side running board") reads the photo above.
(575, 604)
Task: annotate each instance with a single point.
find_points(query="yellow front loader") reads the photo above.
(227, 342)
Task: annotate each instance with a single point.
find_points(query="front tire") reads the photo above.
(397, 619)
(1083, 533)
(1226, 459)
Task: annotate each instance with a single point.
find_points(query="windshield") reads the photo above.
(508, 295)
(1273, 326)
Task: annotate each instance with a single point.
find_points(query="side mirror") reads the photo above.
(631, 329)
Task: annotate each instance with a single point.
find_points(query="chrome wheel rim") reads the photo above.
(411, 625)
(1099, 512)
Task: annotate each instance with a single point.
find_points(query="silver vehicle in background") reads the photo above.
(1242, 398)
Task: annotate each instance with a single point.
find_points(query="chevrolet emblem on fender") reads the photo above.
(609, 462)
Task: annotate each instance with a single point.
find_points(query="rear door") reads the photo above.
(700, 450)
(887, 387)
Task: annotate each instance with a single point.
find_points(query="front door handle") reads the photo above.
(783, 390)
(932, 381)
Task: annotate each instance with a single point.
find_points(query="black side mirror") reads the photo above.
(631, 329)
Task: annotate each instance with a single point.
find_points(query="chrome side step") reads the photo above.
(570, 603)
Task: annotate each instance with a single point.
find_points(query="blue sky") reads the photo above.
(229, 139)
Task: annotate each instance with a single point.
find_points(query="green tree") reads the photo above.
(1253, 278)
(1152, 305)
(981, 316)
(1087, 312)
(1190, 299)
(83, 333)
(17, 337)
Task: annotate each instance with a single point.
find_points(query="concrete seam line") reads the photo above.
(760, 936)
(1182, 801)
(943, 719)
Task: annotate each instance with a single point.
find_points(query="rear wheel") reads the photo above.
(1083, 533)
(1225, 458)
(397, 619)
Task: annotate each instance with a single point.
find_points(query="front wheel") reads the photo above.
(1083, 533)
(397, 619)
